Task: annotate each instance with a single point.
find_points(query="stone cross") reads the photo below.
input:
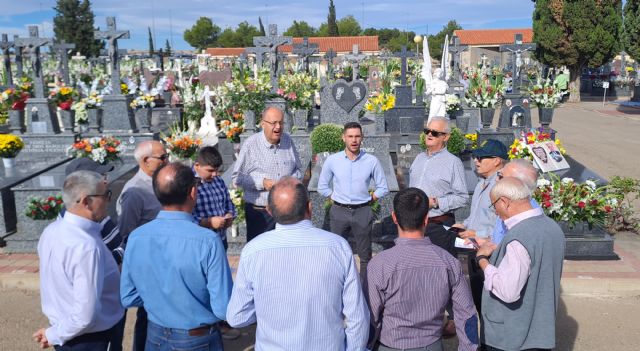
(456, 49)
(33, 44)
(305, 50)
(242, 60)
(329, 56)
(208, 131)
(355, 57)
(272, 42)
(258, 52)
(63, 49)
(111, 35)
(5, 45)
(282, 57)
(403, 55)
(517, 48)
(17, 48)
(158, 57)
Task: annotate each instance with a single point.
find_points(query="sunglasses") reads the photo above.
(499, 175)
(162, 157)
(435, 133)
(480, 158)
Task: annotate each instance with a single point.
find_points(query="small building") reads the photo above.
(485, 44)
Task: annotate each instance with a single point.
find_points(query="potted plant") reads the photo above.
(379, 102)
(103, 149)
(326, 137)
(63, 97)
(298, 90)
(485, 93)
(546, 96)
(142, 106)
(14, 100)
(182, 146)
(10, 146)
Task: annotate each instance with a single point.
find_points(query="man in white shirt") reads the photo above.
(79, 278)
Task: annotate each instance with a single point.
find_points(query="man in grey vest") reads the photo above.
(521, 288)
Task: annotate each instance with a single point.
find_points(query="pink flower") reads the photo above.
(581, 204)
(280, 92)
(291, 96)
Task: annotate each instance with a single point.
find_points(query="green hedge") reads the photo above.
(327, 138)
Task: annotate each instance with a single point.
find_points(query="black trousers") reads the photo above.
(359, 223)
(98, 341)
(440, 236)
(258, 220)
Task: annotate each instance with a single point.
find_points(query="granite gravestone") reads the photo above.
(455, 87)
(405, 118)
(115, 106)
(329, 56)
(214, 78)
(342, 101)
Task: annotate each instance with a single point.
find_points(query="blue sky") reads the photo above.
(169, 18)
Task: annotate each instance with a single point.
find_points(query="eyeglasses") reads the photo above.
(162, 157)
(493, 204)
(106, 195)
(435, 133)
(274, 123)
(499, 175)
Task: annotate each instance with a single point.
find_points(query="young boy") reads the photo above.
(214, 208)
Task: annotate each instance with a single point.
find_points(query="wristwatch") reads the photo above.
(437, 205)
(481, 257)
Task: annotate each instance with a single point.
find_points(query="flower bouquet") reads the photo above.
(565, 200)
(43, 209)
(182, 145)
(452, 102)
(143, 101)
(298, 89)
(233, 129)
(237, 199)
(14, 98)
(63, 97)
(100, 149)
(10, 145)
(380, 101)
(519, 147)
(484, 92)
(545, 94)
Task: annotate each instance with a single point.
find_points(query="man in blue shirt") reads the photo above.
(351, 171)
(299, 283)
(214, 208)
(176, 269)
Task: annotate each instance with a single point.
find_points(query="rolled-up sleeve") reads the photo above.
(507, 280)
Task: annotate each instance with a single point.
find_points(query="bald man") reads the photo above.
(299, 283)
(138, 205)
(186, 288)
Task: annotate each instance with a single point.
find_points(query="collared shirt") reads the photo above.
(500, 229)
(300, 284)
(260, 159)
(409, 286)
(137, 204)
(351, 179)
(213, 200)
(482, 218)
(507, 280)
(110, 236)
(440, 175)
(79, 279)
(178, 271)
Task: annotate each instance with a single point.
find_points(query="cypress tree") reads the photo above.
(331, 21)
(262, 32)
(151, 50)
(631, 32)
(167, 49)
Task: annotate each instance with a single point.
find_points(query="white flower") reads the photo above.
(567, 180)
(543, 182)
(591, 184)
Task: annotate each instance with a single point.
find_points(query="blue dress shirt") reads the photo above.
(351, 178)
(300, 284)
(500, 228)
(178, 271)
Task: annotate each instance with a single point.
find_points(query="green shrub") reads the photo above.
(326, 138)
(455, 145)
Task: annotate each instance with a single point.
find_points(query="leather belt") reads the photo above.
(256, 207)
(442, 218)
(351, 207)
(200, 331)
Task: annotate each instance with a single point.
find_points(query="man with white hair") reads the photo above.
(522, 273)
(79, 278)
(138, 205)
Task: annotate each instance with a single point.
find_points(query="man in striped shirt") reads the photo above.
(409, 286)
(299, 283)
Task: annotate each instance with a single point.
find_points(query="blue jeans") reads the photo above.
(98, 341)
(169, 339)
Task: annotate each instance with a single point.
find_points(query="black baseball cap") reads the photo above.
(86, 164)
(491, 148)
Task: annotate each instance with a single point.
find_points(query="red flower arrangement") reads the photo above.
(43, 209)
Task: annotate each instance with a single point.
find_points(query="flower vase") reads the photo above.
(486, 117)
(95, 119)
(143, 120)
(68, 120)
(234, 230)
(545, 115)
(9, 162)
(16, 121)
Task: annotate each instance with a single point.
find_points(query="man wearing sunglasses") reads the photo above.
(138, 205)
(441, 176)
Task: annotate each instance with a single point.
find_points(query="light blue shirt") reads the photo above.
(482, 218)
(178, 271)
(500, 229)
(351, 178)
(79, 279)
(300, 284)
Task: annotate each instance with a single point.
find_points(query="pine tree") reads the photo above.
(168, 52)
(631, 32)
(262, 32)
(151, 51)
(74, 23)
(331, 21)
(577, 34)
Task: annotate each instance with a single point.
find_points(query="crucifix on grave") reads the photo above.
(63, 49)
(258, 52)
(329, 56)
(403, 55)
(5, 45)
(456, 50)
(32, 44)
(17, 51)
(111, 35)
(305, 50)
(272, 42)
(517, 49)
(355, 57)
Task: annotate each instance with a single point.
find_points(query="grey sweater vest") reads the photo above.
(529, 322)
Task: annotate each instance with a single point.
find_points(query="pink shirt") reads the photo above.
(507, 280)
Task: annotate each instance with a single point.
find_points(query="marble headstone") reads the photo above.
(342, 101)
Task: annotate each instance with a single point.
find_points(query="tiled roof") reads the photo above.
(338, 44)
(479, 37)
